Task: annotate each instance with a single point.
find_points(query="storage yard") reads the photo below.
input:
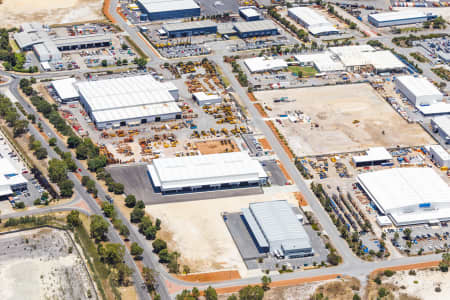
(38, 264)
(340, 119)
(13, 12)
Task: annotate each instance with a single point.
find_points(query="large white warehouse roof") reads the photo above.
(324, 62)
(398, 15)
(261, 64)
(65, 88)
(204, 170)
(308, 16)
(128, 98)
(408, 195)
(419, 86)
(153, 6)
(9, 177)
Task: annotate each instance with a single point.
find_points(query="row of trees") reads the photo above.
(9, 113)
(12, 61)
(301, 34)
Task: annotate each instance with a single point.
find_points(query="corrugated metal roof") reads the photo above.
(261, 25)
(398, 15)
(189, 25)
(309, 16)
(249, 12)
(65, 88)
(9, 174)
(419, 86)
(211, 169)
(254, 227)
(443, 122)
(260, 64)
(373, 154)
(154, 6)
(400, 188)
(279, 223)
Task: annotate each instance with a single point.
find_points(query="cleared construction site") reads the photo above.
(338, 119)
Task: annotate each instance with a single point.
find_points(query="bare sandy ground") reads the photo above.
(39, 264)
(423, 284)
(349, 117)
(16, 12)
(196, 230)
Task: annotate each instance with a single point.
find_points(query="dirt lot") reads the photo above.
(337, 119)
(411, 287)
(16, 12)
(207, 248)
(217, 146)
(38, 264)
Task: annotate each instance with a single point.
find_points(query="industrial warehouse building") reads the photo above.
(129, 101)
(174, 30)
(352, 58)
(203, 98)
(315, 23)
(276, 229)
(441, 125)
(399, 18)
(250, 13)
(373, 156)
(169, 9)
(65, 90)
(255, 28)
(263, 64)
(408, 196)
(10, 178)
(34, 36)
(440, 155)
(423, 94)
(204, 172)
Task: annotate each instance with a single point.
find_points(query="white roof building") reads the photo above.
(206, 171)
(440, 155)
(128, 100)
(10, 178)
(250, 13)
(423, 94)
(441, 125)
(352, 56)
(203, 98)
(408, 195)
(311, 20)
(158, 6)
(384, 60)
(323, 62)
(373, 156)
(263, 64)
(65, 89)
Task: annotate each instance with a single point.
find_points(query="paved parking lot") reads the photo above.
(428, 238)
(218, 7)
(137, 182)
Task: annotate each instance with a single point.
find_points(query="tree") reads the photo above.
(149, 278)
(124, 231)
(266, 280)
(130, 201)
(232, 297)
(73, 141)
(407, 233)
(52, 141)
(356, 297)
(66, 188)
(20, 205)
(210, 293)
(124, 46)
(108, 209)
(84, 180)
(57, 170)
(382, 292)
(136, 215)
(195, 292)
(164, 256)
(136, 250)
(41, 153)
(251, 293)
(333, 259)
(104, 63)
(99, 228)
(443, 265)
(20, 127)
(96, 163)
(123, 274)
(159, 245)
(140, 204)
(118, 188)
(140, 62)
(113, 253)
(73, 219)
